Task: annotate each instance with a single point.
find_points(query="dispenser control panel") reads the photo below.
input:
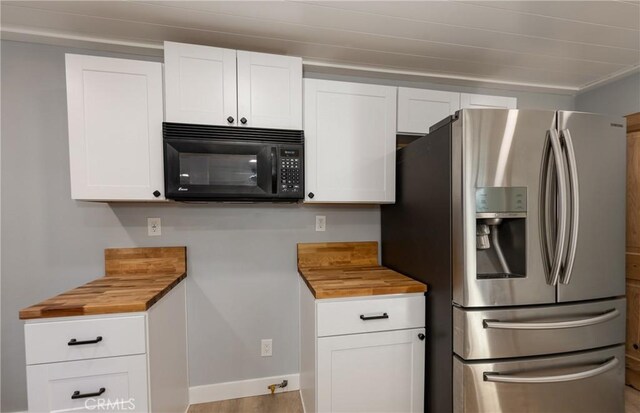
(501, 200)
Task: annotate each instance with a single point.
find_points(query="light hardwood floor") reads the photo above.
(289, 402)
(632, 400)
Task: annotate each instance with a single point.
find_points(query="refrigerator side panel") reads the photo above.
(599, 144)
(457, 215)
(416, 241)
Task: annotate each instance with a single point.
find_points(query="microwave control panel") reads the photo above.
(290, 171)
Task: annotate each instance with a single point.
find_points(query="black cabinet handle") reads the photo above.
(311, 195)
(156, 193)
(77, 395)
(374, 317)
(421, 336)
(243, 120)
(74, 342)
(230, 119)
(635, 346)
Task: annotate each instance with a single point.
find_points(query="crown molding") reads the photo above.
(609, 79)
(150, 48)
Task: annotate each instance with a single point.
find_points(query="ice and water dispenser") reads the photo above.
(501, 214)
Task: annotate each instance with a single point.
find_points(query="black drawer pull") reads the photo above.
(74, 342)
(76, 394)
(374, 317)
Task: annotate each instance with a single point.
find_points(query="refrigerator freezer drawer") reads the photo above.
(582, 382)
(531, 331)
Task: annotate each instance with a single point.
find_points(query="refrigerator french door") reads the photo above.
(515, 220)
(565, 240)
(598, 265)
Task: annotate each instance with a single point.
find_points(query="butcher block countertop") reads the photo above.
(135, 279)
(350, 269)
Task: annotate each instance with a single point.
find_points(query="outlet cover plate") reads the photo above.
(154, 227)
(266, 347)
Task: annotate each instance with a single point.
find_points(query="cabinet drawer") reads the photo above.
(111, 384)
(370, 314)
(48, 342)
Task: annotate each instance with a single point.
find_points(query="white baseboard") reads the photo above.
(243, 388)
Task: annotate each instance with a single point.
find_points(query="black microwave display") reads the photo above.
(221, 163)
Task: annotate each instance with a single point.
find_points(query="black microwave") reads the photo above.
(230, 163)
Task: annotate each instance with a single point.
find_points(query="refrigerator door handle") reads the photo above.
(556, 266)
(546, 232)
(565, 135)
(504, 378)
(582, 322)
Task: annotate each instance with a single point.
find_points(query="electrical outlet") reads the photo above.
(321, 223)
(154, 227)
(266, 347)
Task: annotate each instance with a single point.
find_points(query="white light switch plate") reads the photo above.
(321, 223)
(154, 227)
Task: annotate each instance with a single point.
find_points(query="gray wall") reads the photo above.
(621, 97)
(242, 283)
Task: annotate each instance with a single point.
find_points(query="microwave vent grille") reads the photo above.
(171, 130)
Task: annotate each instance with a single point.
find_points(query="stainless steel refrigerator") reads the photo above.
(516, 221)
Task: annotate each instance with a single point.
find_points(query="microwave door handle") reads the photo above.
(274, 171)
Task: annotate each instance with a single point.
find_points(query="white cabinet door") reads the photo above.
(269, 91)
(350, 142)
(115, 128)
(200, 84)
(418, 109)
(473, 101)
(373, 372)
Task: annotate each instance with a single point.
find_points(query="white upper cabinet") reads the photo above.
(418, 109)
(473, 101)
(213, 86)
(350, 142)
(269, 91)
(200, 84)
(115, 128)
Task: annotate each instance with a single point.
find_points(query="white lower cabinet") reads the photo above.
(376, 364)
(373, 372)
(117, 362)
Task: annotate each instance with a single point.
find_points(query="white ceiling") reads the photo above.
(565, 46)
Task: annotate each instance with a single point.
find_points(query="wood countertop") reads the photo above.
(135, 279)
(350, 269)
